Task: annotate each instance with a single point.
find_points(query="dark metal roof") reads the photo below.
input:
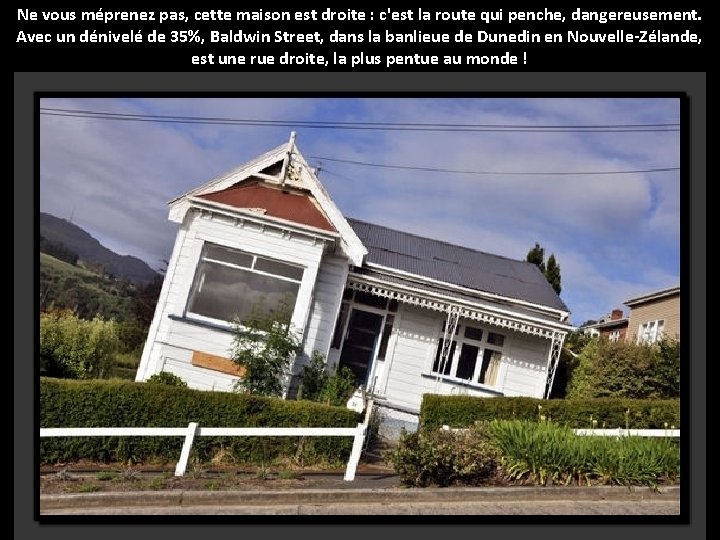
(456, 265)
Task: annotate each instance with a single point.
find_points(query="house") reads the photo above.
(408, 315)
(654, 315)
(613, 326)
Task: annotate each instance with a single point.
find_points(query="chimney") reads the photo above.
(616, 314)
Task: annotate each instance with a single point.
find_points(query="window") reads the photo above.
(474, 355)
(650, 331)
(614, 336)
(230, 284)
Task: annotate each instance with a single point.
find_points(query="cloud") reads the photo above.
(614, 236)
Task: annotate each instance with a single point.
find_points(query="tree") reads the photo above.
(551, 271)
(621, 369)
(537, 256)
(264, 345)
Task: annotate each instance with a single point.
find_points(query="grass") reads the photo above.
(106, 475)
(544, 452)
(84, 487)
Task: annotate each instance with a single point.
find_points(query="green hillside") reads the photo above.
(65, 286)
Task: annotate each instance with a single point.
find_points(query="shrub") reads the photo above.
(166, 378)
(621, 369)
(444, 457)
(263, 345)
(75, 348)
(545, 452)
(317, 385)
(464, 411)
(65, 403)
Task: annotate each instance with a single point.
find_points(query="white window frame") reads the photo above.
(650, 331)
(482, 345)
(251, 269)
(614, 336)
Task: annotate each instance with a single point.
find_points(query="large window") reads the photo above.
(651, 331)
(474, 355)
(231, 284)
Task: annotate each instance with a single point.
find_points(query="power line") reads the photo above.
(494, 173)
(375, 126)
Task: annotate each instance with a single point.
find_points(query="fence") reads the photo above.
(619, 432)
(194, 430)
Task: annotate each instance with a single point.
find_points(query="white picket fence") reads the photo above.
(194, 430)
(618, 432)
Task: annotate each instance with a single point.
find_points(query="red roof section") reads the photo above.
(276, 202)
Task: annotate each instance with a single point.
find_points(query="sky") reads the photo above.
(615, 236)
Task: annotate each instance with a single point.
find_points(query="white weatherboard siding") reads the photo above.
(526, 361)
(407, 372)
(327, 297)
(173, 337)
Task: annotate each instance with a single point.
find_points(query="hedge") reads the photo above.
(463, 411)
(71, 403)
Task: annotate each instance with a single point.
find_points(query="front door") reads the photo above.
(361, 337)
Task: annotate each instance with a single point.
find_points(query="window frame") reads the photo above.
(650, 332)
(460, 340)
(204, 258)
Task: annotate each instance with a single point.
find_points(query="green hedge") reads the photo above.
(69, 403)
(463, 411)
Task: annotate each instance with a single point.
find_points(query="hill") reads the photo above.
(79, 241)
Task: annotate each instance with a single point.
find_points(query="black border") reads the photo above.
(698, 167)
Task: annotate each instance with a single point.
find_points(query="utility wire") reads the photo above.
(376, 126)
(494, 173)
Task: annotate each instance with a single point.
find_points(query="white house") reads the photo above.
(408, 315)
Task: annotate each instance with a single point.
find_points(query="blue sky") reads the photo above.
(615, 236)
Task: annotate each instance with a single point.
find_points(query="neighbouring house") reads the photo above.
(654, 315)
(613, 326)
(408, 315)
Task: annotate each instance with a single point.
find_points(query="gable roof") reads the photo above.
(283, 166)
(274, 202)
(456, 265)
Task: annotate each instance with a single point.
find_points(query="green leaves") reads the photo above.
(265, 345)
(75, 348)
(67, 403)
(544, 452)
(443, 458)
(463, 411)
(621, 369)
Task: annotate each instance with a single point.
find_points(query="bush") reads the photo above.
(263, 344)
(545, 452)
(317, 385)
(166, 378)
(75, 348)
(444, 457)
(621, 369)
(464, 411)
(66, 403)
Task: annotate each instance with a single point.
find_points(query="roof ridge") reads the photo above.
(444, 242)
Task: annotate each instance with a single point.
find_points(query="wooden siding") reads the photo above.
(169, 327)
(327, 297)
(665, 309)
(407, 371)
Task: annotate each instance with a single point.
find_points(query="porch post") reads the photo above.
(451, 323)
(553, 359)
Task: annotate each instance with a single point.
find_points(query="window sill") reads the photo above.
(463, 382)
(205, 324)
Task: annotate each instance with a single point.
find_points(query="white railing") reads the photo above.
(194, 430)
(620, 432)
